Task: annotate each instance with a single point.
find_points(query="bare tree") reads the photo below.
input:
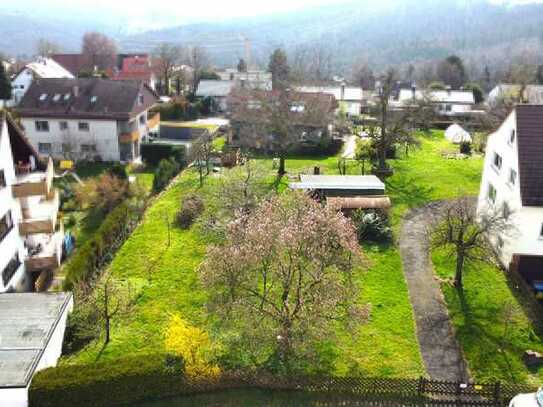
(200, 154)
(166, 58)
(110, 298)
(395, 125)
(363, 75)
(46, 48)
(469, 235)
(99, 49)
(277, 121)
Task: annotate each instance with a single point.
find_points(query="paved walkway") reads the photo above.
(439, 348)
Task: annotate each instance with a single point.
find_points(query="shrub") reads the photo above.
(465, 147)
(125, 381)
(152, 154)
(102, 193)
(372, 225)
(166, 170)
(191, 208)
(83, 264)
(119, 171)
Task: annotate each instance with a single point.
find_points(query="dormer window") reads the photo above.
(56, 98)
(297, 107)
(94, 99)
(43, 97)
(512, 136)
(67, 97)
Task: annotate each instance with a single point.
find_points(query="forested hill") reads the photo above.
(380, 32)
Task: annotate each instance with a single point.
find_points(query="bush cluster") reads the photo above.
(465, 147)
(166, 170)
(126, 381)
(82, 265)
(152, 153)
(372, 225)
(192, 207)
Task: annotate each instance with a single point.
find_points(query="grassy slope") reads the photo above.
(490, 324)
(386, 345)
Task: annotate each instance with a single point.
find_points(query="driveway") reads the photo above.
(440, 350)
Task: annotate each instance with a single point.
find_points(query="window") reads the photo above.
(448, 108)
(6, 224)
(11, 268)
(83, 126)
(2, 179)
(43, 97)
(44, 148)
(88, 148)
(297, 107)
(94, 99)
(512, 177)
(66, 97)
(491, 193)
(541, 232)
(497, 161)
(512, 136)
(56, 98)
(42, 125)
(63, 125)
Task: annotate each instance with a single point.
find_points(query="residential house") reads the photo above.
(32, 327)
(74, 63)
(30, 239)
(309, 116)
(449, 103)
(350, 98)
(39, 69)
(136, 67)
(219, 90)
(532, 94)
(88, 118)
(348, 192)
(513, 183)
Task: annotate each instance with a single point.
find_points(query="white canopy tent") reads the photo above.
(456, 134)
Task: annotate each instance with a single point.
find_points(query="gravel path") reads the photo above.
(439, 348)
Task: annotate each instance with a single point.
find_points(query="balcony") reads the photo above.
(44, 252)
(33, 183)
(40, 216)
(153, 120)
(129, 137)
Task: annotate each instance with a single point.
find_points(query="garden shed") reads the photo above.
(456, 134)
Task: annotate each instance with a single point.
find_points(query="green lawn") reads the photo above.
(490, 324)
(385, 345)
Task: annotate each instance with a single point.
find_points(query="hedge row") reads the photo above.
(125, 381)
(153, 153)
(94, 253)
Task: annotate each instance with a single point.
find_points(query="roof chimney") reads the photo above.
(342, 95)
(76, 91)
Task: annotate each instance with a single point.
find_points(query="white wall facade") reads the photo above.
(103, 134)
(11, 243)
(20, 84)
(524, 237)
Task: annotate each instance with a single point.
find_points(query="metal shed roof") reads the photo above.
(27, 322)
(347, 182)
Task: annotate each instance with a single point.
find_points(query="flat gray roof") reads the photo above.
(27, 321)
(348, 182)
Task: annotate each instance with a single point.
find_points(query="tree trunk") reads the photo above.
(459, 270)
(281, 171)
(107, 331)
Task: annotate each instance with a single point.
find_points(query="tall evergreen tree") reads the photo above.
(279, 69)
(5, 84)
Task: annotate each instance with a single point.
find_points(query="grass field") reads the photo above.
(386, 345)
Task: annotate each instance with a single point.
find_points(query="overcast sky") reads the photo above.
(144, 14)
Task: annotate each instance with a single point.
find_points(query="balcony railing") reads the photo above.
(45, 253)
(32, 183)
(40, 217)
(129, 137)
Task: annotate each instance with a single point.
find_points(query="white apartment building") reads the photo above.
(448, 102)
(513, 182)
(88, 118)
(30, 239)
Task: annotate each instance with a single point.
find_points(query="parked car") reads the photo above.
(528, 399)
